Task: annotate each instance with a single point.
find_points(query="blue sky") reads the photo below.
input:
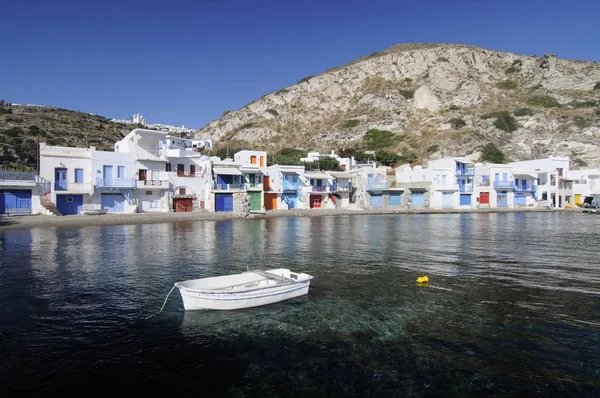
(185, 62)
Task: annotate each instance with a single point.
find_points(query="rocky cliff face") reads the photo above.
(439, 100)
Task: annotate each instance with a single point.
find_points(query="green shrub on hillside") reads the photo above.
(585, 104)
(457, 123)
(324, 163)
(545, 101)
(272, 112)
(597, 86)
(351, 123)
(507, 85)
(523, 112)
(491, 153)
(507, 123)
(433, 148)
(408, 94)
(510, 70)
(379, 139)
(494, 114)
(443, 59)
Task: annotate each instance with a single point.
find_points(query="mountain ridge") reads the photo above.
(432, 94)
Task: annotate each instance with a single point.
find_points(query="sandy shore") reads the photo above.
(147, 218)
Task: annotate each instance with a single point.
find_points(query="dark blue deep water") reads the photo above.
(512, 308)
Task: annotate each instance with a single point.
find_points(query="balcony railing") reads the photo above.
(254, 186)
(377, 186)
(160, 184)
(229, 187)
(504, 184)
(319, 189)
(17, 176)
(465, 188)
(524, 188)
(465, 172)
(187, 174)
(115, 183)
(340, 188)
(62, 186)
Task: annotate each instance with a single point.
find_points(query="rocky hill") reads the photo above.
(437, 100)
(21, 126)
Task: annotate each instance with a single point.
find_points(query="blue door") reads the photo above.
(376, 200)
(114, 202)
(107, 174)
(465, 200)
(501, 199)
(69, 204)
(520, 200)
(60, 179)
(18, 200)
(418, 199)
(223, 202)
(395, 199)
(290, 199)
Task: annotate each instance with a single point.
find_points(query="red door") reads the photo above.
(484, 198)
(315, 201)
(267, 183)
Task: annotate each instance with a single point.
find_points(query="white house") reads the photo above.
(70, 172)
(416, 183)
(284, 188)
(114, 183)
(554, 187)
(149, 150)
(586, 184)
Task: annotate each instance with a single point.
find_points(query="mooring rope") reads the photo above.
(163, 306)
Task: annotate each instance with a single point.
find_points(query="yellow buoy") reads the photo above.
(423, 279)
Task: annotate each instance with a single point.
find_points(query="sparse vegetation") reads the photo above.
(4, 110)
(351, 123)
(282, 91)
(597, 86)
(511, 69)
(457, 123)
(379, 139)
(491, 153)
(408, 94)
(433, 149)
(225, 113)
(523, 112)
(387, 158)
(544, 101)
(272, 112)
(506, 122)
(585, 104)
(582, 122)
(507, 85)
(247, 125)
(443, 59)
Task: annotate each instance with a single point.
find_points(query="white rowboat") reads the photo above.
(248, 289)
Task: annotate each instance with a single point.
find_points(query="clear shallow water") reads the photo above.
(512, 309)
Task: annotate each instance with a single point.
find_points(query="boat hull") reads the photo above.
(218, 299)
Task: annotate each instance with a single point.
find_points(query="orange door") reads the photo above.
(271, 201)
(267, 183)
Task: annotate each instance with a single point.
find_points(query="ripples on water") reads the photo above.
(512, 308)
